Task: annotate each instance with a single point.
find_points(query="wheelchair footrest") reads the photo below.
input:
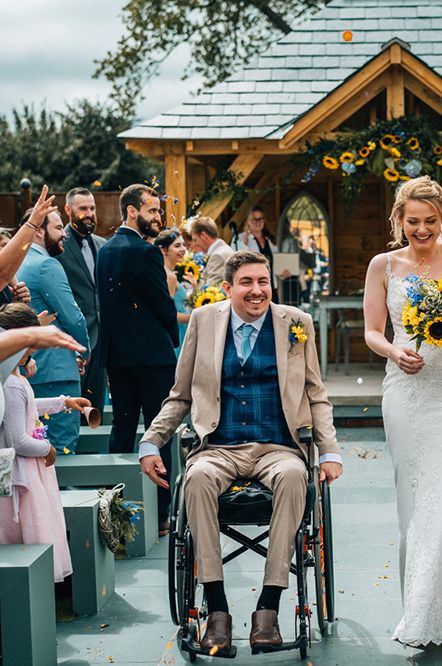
(191, 646)
(301, 641)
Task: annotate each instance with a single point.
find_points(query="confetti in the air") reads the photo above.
(97, 183)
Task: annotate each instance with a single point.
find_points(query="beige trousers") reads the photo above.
(209, 474)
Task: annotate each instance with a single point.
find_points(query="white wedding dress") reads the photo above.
(412, 411)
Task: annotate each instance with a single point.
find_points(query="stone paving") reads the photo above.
(134, 628)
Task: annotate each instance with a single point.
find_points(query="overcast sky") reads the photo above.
(47, 52)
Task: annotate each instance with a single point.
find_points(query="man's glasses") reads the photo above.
(257, 219)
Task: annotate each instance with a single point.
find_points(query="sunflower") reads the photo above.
(386, 140)
(364, 152)
(413, 143)
(433, 332)
(392, 175)
(439, 162)
(371, 145)
(439, 284)
(394, 152)
(346, 156)
(404, 178)
(192, 268)
(204, 298)
(330, 162)
(407, 314)
(437, 150)
(396, 138)
(359, 162)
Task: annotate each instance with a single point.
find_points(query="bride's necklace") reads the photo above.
(422, 269)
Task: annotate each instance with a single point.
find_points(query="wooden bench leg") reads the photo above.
(27, 605)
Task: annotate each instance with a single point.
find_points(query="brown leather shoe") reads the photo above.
(218, 632)
(265, 629)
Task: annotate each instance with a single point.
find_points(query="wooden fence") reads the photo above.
(14, 204)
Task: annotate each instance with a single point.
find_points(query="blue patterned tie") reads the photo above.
(246, 347)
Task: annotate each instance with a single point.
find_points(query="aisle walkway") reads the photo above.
(135, 629)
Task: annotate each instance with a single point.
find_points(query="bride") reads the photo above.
(412, 405)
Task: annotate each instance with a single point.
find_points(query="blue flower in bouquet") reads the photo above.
(200, 259)
(348, 167)
(413, 168)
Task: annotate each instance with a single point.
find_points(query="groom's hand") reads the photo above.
(154, 468)
(330, 471)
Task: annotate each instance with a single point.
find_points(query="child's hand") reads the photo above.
(50, 458)
(78, 404)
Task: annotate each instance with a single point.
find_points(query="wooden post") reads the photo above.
(176, 207)
(395, 93)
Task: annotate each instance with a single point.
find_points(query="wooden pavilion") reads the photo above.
(347, 67)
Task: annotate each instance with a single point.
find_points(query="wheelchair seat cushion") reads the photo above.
(246, 502)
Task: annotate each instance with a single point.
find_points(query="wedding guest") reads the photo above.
(171, 244)
(79, 258)
(412, 403)
(50, 290)
(139, 324)
(257, 237)
(205, 236)
(33, 514)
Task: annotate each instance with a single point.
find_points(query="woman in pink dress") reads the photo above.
(33, 514)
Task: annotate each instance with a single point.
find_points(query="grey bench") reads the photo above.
(97, 440)
(27, 605)
(94, 471)
(93, 577)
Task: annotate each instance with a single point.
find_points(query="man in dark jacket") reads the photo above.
(138, 323)
(79, 258)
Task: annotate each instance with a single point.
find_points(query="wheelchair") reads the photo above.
(248, 502)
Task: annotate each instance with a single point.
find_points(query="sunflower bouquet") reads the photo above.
(422, 312)
(192, 264)
(206, 295)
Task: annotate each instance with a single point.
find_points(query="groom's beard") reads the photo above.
(151, 229)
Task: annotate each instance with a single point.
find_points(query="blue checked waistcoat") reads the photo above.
(251, 409)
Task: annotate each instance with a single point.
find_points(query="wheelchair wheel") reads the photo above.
(318, 552)
(177, 556)
(328, 551)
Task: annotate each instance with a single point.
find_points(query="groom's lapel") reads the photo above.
(281, 332)
(222, 319)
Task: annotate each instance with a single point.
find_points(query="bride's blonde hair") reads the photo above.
(423, 189)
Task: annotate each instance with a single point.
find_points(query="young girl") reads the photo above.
(34, 513)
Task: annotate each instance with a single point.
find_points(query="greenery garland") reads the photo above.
(395, 150)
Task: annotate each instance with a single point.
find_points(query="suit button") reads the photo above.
(244, 423)
(214, 425)
(242, 386)
(241, 373)
(244, 402)
(217, 399)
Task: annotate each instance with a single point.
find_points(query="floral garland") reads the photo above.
(395, 150)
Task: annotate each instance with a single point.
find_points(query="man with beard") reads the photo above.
(57, 372)
(78, 260)
(139, 327)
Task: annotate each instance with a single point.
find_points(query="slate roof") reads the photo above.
(263, 99)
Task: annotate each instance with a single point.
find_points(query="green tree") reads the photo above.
(76, 147)
(222, 34)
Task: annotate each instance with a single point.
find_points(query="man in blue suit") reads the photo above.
(139, 328)
(58, 372)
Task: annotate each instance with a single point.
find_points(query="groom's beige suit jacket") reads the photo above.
(197, 385)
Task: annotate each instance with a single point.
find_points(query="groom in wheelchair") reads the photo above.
(248, 372)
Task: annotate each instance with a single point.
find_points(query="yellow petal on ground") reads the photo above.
(213, 650)
(169, 645)
(66, 450)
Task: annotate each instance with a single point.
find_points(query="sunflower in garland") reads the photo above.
(346, 156)
(439, 162)
(391, 175)
(413, 143)
(386, 140)
(365, 151)
(437, 150)
(433, 332)
(330, 162)
(394, 152)
(371, 145)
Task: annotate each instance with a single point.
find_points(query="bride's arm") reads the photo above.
(375, 314)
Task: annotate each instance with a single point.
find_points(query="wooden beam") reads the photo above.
(429, 95)
(175, 166)
(395, 92)
(242, 166)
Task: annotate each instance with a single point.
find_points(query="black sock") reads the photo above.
(269, 598)
(216, 596)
